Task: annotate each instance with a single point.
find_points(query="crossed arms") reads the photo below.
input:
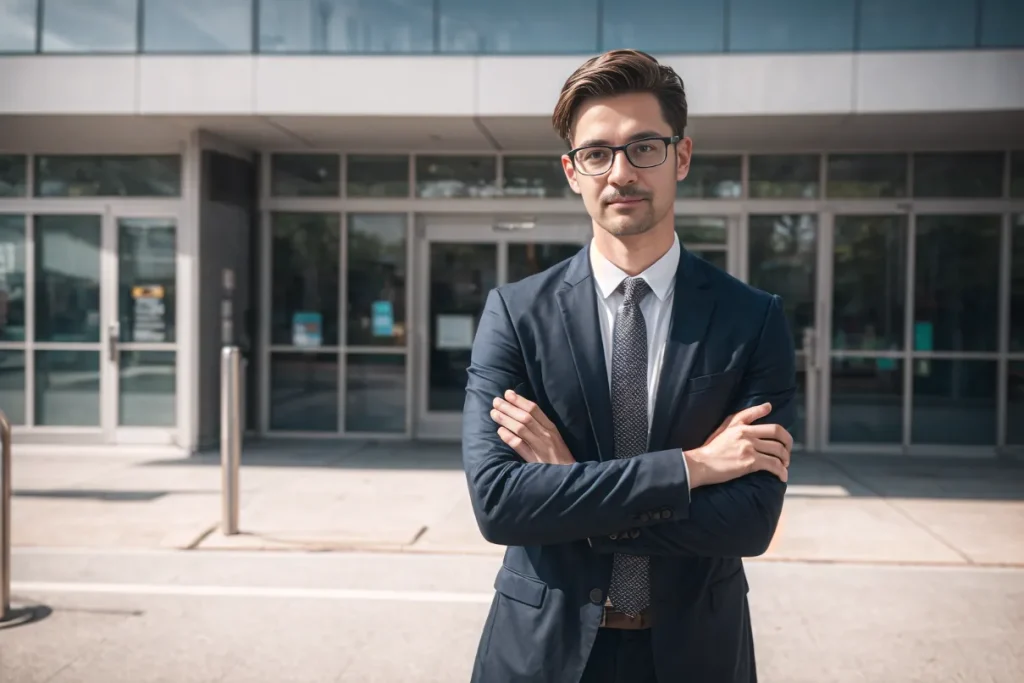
(521, 500)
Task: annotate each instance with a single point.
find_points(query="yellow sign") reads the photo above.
(148, 292)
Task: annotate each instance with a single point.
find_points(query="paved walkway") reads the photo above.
(412, 497)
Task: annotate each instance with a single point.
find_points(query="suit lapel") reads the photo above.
(577, 301)
(691, 312)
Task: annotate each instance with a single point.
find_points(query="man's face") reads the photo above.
(626, 200)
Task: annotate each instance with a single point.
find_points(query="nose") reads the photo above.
(622, 172)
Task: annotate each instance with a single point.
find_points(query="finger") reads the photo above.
(515, 412)
(771, 464)
(530, 407)
(769, 431)
(751, 414)
(510, 423)
(526, 428)
(518, 445)
(774, 449)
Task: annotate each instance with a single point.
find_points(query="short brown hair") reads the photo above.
(615, 73)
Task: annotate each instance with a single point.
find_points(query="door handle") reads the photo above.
(113, 337)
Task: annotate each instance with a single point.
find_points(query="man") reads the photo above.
(625, 422)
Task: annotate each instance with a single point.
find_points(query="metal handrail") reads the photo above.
(5, 518)
(230, 436)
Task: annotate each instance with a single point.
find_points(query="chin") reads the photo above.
(624, 227)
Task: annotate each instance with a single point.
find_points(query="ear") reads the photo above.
(684, 152)
(570, 173)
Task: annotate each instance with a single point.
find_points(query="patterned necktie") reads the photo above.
(630, 586)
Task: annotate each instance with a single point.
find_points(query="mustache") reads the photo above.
(626, 193)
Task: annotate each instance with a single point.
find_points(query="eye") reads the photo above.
(594, 154)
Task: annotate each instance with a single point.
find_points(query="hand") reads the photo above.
(739, 447)
(528, 431)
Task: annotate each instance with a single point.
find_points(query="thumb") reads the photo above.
(752, 414)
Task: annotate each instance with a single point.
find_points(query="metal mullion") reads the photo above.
(376, 350)
(1003, 366)
(30, 319)
(908, 331)
(958, 355)
(289, 348)
(342, 312)
(867, 353)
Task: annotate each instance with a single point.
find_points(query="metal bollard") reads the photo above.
(5, 519)
(230, 436)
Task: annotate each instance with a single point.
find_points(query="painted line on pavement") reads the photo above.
(250, 592)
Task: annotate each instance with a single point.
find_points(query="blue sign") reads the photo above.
(307, 329)
(383, 319)
(923, 336)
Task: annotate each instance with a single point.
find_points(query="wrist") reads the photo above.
(695, 467)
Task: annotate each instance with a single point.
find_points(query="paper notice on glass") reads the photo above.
(454, 332)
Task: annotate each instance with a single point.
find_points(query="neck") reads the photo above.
(634, 254)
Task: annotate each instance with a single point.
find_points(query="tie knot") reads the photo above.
(635, 289)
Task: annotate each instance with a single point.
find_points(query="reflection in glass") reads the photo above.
(1002, 23)
(673, 26)
(376, 279)
(956, 290)
(530, 258)
(867, 400)
(712, 177)
(784, 176)
(857, 176)
(1017, 173)
(108, 176)
(336, 26)
(377, 176)
(197, 26)
(954, 402)
(146, 391)
(783, 257)
(67, 261)
(461, 275)
(791, 25)
(716, 257)
(799, 430)
(375, 393)
(1017, 285)
(17, 26)
(12, 385)
(916, 24)
(525, 27)
(1015, 404)
(12, 278)
(305, 175)
(702, 230)
(89, 26)
(869, 283)
(12, 173)
(536, 177)
(306, 256)
(304, 392)
(456, 176)
(67, 388)
(958, 175)
(146, 279)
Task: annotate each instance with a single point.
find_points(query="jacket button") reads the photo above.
(643, 517)
(613, 536)
(634, 533)
(596, 596)
(666, 513)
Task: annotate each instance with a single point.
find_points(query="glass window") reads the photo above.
(17, 26)
(524, 27)
(869, 283)
(790, 25)
(305, 175)
(306, 257)
(375, 393)
(67, 276)
(108, 176)
(783, 260)
(529, 258)
(147, 389)
(712, 177)
(90, 26)
(916, 24)
(364, 26)
(536, 177)
(376, 279)
(954, 402)
(716, 257)
(12, 278)
(456, 176)
(1015, 404)
(12, 176)
(963, 175)
(304, 392)
(1017, 174)
(856, 176)
(956, 290)
(12, 385)
(672, 26)
(867, 401)
(1002, 23)
(1017, 285)
(702, 230)
(197, 26)
(147, 280)
(784, 176)
(377, 176)
(67, 388)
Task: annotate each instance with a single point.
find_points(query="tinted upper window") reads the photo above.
(384, 26)
(17, 25)
(523, 27)
(197, 26)
(90, 26)
(664, 25)
(790, 25)
(916, 24)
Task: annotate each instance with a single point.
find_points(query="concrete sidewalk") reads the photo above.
(412, 497)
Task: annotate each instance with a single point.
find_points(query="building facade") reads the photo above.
(335, 185)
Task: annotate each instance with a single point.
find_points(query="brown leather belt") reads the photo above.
(613, 618)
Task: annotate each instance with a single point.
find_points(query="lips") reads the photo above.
(625, 201)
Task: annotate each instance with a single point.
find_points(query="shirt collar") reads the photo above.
(660, 276)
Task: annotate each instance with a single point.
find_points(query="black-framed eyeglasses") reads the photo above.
(645, 153)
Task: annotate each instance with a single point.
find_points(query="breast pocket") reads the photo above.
(717, 381)
(704, 405)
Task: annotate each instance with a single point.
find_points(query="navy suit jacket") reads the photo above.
(729, 348)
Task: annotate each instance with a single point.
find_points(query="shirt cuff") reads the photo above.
(686, 466)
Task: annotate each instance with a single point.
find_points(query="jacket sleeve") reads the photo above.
(520, 503)
(737, 518)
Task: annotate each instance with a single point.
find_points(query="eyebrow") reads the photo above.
(632, 138)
